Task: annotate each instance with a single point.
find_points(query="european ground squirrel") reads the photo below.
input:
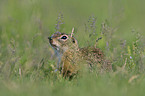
(71, 58)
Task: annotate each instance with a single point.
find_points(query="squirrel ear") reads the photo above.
(74, 40)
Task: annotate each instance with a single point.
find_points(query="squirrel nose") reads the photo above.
(50, 38)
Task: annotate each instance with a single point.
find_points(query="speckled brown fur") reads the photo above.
(71, 57)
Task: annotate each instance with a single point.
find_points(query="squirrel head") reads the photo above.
(62, 42)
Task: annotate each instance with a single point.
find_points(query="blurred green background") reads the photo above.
(26, 60)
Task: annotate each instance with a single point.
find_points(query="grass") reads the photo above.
(27, 61)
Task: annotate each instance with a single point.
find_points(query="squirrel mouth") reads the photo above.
(53, 45)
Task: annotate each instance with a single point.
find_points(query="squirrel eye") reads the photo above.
(64, 37)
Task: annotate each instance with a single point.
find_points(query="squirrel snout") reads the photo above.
(50, 38)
